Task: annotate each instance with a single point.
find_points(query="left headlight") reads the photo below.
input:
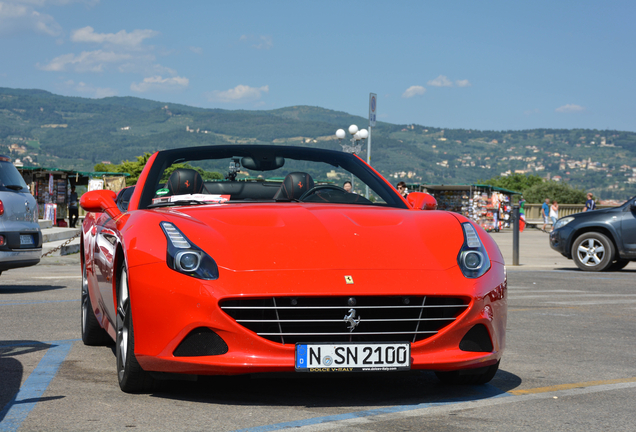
(472, 259)
(186, 257)
(563, 222)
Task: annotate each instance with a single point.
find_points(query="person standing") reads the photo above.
(545, 212)
(589, 204)
(554, 212)
(72, 208)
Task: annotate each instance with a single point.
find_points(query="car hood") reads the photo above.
(302, 236)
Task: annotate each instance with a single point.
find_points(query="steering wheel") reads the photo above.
(315, 189)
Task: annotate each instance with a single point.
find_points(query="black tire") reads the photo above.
(593, 251)
(469, 376)
(618, 265)
(92, 332)
(132, 378)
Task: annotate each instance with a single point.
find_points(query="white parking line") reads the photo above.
(369, 418)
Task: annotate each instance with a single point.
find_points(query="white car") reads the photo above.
(20, 234)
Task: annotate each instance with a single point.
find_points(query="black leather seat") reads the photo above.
(294, 185)
(185, 181)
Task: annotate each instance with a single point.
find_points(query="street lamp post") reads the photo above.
(357, 140)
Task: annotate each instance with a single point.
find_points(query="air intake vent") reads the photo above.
(476, 340)
(289, 320)
(201, 342)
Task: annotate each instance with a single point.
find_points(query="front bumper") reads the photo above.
(560, 240)
(167, 306)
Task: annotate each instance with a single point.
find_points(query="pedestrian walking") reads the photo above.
(589, 204)
(554, 212)
(72, 208)
(545, 213)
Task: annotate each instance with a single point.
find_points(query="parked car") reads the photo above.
(598, 240)
(278, 269)
(20, 235)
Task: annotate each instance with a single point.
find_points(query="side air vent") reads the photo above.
(476, 340)
(201, 342)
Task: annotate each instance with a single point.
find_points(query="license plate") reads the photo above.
(353, 357)
(26, 240)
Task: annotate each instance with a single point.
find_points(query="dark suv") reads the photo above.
(598, 240)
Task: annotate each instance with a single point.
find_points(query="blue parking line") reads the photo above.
(486, 392)
(38, 302)
(17, 410)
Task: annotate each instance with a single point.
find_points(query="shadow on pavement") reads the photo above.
(581, 272)
(23, 289)
(11, 369)
(351, 390)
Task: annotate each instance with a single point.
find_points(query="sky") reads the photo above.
(488, 65)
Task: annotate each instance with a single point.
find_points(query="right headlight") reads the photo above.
(186, 257)
(563, 222)
(472, 259)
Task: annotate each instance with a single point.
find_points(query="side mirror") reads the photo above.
(632, 205)
(421, 201)
(100, 201)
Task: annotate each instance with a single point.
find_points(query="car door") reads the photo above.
(628, 228)
(104, 258)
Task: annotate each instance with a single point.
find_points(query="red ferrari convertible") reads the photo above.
(277, 268)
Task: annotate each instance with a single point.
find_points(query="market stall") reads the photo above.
(51, 187)
(488, 206)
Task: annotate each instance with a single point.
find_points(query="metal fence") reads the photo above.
(533, 211)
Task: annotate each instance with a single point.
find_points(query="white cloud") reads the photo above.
(16, 18)
(413, 91)
(96, 92)
(240, 93)
(122, 38)
(261, 42)
(569, 108)
(440, 81)
(158, 83)
(87, 61)
(196, 50)
(266, 43)
(463, 83)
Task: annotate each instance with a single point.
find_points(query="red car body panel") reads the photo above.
(285, 249)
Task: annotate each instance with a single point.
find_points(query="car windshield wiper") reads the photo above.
(179, 203)
(14, 187)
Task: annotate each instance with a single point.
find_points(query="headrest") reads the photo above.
(294, 185)
(185, 181)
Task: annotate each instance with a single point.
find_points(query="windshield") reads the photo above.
(10, 178)
(276, 174)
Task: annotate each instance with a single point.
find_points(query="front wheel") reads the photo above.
(593, 251)
(469, 376)
(132, 378)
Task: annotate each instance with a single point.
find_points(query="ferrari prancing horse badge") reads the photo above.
(349, 280)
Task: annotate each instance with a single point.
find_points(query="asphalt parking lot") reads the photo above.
(569, 365)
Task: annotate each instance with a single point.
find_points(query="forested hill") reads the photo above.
(42, 128)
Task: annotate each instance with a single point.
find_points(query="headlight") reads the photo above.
(186, 257)
(563, 222)
(472, 259)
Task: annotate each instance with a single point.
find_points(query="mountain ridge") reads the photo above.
(73, 132)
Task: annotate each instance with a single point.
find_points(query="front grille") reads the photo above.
(288, 320)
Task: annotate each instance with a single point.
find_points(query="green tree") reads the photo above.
(101, 167)
(561, 192)
(516, 182)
